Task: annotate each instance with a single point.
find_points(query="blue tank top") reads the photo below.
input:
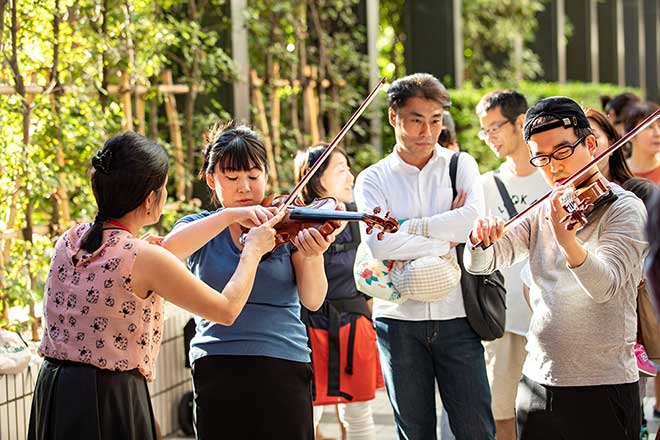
(269, 324)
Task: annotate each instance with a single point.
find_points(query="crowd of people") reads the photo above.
(282, 331)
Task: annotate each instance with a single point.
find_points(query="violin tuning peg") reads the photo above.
(387, 214)
(380, 235)
(377, 210)
(369, 229)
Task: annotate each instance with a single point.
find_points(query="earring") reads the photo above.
(148, 212)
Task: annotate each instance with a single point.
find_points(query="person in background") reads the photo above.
(253, 378)
(508, 190)
(644, 161)
(648, 347)
(616, 108)
(652, 269)
(103, 304)
(341, 333)
(652, 263)
(447, 136)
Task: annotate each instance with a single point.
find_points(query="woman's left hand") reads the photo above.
(310, 243)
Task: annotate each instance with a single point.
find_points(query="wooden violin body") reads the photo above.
(581, 202)
(325, 215)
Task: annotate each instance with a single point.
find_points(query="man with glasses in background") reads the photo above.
(508, 190)
(580, 377)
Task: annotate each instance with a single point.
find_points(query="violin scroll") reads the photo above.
(386, 223)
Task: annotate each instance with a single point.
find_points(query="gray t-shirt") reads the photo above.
(584, 319)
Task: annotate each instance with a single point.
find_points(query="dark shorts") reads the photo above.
(79, 401)
(252, 397)
(578, 413)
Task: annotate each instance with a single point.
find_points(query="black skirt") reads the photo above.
(79, 401)
(251, 398)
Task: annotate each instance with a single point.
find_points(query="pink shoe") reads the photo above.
(645, 367)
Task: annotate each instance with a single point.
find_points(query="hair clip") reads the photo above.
(101, 161)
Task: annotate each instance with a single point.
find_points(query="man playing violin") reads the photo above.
(580, 377)
(424, 343)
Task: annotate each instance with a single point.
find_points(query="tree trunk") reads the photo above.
(191, 97)
(60, 199)
(175, 138)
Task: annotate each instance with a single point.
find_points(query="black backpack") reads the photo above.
(484, 296)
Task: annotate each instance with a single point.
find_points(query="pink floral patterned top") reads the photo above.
(91, 313)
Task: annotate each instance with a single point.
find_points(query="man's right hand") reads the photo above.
(487, 230)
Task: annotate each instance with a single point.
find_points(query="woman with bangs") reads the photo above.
(252, 379)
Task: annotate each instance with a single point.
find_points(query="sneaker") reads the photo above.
(644, 365)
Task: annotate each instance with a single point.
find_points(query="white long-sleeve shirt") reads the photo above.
(410, 193)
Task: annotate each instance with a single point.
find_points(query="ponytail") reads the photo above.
(93, 238)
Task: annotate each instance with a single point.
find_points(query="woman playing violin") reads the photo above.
(352, 388)
(580, 378)
(252, 379)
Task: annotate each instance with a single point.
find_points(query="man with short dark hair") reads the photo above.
(508, 190)
(580, 377)
(424, 343)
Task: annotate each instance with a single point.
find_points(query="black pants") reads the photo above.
(252, 397)
(79, 401)
(577, 413)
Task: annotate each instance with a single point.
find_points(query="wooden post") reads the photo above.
(140, 109)
(275, 112)
(175, 138)
(126, 104)
(293, 107)
(311, 104)
(153, 117)
(258, 101)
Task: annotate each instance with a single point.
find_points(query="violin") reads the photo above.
(587, 194)
(583, 201)
(324, 214)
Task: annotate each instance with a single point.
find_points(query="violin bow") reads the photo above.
(331, 146)
(582, 171)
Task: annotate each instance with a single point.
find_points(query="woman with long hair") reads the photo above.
(103, 302)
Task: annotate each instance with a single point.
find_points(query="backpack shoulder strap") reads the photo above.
(453, 169)
(508, 203)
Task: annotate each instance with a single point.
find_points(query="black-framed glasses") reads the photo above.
(561, 153)
(493, 129)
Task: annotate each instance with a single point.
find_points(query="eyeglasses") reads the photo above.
(561, 153)
(494, 129)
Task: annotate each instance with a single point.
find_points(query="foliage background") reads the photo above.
(77, 49)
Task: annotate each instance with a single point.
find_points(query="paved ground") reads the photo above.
(385, 422)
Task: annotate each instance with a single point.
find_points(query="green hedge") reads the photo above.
(465, 100)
